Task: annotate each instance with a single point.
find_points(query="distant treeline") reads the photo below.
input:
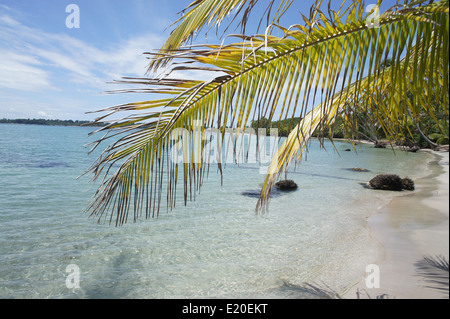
(284, 127)
(369, 129)
(45, 122)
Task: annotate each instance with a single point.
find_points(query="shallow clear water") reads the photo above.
(213, 248)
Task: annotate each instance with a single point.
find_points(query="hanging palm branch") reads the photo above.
(371, 94)
(209, 12)
(334, 62)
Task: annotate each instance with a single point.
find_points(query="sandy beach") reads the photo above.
(410, 227)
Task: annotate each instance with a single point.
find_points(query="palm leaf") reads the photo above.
(326, 62)
(209, 12)
(435, 270)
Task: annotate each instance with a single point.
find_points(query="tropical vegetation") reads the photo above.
(283, 127)
(329, 70)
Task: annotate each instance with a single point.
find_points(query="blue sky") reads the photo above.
(50, 71)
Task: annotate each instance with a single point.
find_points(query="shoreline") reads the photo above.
(408, 228)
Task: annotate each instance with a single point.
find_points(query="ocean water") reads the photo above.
(215, 247)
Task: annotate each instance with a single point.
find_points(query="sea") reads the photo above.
(312, 240)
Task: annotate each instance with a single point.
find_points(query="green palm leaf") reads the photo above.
(333, 64)
(209, 12)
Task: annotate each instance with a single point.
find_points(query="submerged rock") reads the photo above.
(391, 182)
(286, 185)
(51, 165)
(358, 169)
(256, 193)
(280, 188)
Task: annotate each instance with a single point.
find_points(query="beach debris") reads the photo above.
(391, 182)
(286, 185)
(442, 148)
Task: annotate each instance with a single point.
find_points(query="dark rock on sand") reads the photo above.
(379, 144)
(391, 182)
(286, 185)
(408, 184)
(386, 182)
(348, 150)
(414, 149)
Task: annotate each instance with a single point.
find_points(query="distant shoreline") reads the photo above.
(48, 122)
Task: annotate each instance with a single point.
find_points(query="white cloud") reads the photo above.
(62, 76)
(44, 114)
(22, 72)
(39, 55)
(4, 19)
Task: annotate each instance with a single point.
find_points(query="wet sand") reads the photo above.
(410, 227)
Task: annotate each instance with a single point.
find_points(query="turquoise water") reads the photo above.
(213, 248)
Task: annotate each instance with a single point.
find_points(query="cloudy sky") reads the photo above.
(48, 70)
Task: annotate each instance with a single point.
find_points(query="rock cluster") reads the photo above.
(391, 182)
(286, 185)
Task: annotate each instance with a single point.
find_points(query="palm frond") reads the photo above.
(435, 270)
(326, 62)
(311, 291)
(209, 12)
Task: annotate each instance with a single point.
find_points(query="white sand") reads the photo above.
(409, 228)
